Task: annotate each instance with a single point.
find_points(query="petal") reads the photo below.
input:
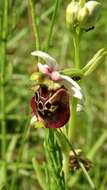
(55, 76)
(72, 86)
(45, 69)
(50, 61)
(77, 93)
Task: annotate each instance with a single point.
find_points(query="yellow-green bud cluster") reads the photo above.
(85, 16)
(71, 14)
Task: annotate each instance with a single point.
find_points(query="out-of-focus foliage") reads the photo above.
(91, 128)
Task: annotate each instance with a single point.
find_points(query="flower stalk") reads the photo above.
(3, 42)
(76, 41)
(35, 25)
(52, 25)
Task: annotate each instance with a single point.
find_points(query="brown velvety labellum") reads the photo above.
(51, 106)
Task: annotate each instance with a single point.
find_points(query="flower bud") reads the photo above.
(89, 14)
(83, 16)
(94, 9)
(72, 14)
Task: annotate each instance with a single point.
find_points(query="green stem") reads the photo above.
(80, 164)
(76, 41)
(35, 24)
(87, 176)
(3, 41)
(52, 25)
(54, 162)
(97, 145)
(72, 124)
(39, 173)
(20, 152)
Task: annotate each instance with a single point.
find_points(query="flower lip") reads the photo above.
(55, 110)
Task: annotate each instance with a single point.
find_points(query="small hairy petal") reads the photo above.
(45, 69)
(55, 76)
(50, 61)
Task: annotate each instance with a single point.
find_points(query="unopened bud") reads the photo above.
(72, 14)
(83, 15)
(94, 10)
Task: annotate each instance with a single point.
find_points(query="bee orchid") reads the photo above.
(51, 106)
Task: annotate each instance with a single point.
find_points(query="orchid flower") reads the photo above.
(51, 106)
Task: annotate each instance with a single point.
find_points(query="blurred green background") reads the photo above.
(91, 129)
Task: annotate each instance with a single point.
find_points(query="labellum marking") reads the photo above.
(37, 96)
(51, 106)
(48, 105)
(40, 105)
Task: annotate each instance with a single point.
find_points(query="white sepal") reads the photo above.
(50, 61)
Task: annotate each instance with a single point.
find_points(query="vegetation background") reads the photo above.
(19, 144)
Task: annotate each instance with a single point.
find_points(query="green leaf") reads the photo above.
(94, 62)
(39, 173)
(9, 71)
(2, 175)
(73, 73)
(11, 148)
(11, 105)
(62, 141)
